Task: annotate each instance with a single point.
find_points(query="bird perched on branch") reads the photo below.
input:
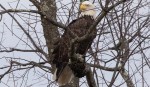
(66, 69)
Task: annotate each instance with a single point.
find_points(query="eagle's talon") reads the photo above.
(80, 57)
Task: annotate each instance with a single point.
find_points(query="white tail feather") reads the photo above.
(65, 77)
(54, 75)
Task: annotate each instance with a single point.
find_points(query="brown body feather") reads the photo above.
(79, 27)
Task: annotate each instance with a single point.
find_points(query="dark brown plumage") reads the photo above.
(79, 27)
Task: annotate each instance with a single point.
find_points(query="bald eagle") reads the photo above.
(65, 70)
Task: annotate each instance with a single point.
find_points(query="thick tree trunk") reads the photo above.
(51, 33)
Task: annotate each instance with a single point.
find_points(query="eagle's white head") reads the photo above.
(87, 8)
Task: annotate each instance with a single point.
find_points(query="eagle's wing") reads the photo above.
(78, 27)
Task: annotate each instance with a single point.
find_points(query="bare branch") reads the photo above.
(127, 78)
(46, 16)
(19, 10)
(32, 63)
(104, 67)
(32, 41)
(21, 50)
(90, 77)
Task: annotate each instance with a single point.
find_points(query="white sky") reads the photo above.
(10, 40)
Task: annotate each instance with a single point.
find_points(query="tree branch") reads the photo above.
(127, 78)
(19, 10)
(21, 50)
(2, 75)
(32, 63)
(104, 67)
(32, 41)
(36, 3)
(90, 77)
(47, 16)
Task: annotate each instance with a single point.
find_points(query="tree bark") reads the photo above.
(51, 33)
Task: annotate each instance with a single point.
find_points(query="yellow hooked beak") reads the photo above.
(83, 7)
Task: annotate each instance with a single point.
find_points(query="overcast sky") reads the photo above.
(10, 40)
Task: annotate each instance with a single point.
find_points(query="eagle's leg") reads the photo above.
(78, 65)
